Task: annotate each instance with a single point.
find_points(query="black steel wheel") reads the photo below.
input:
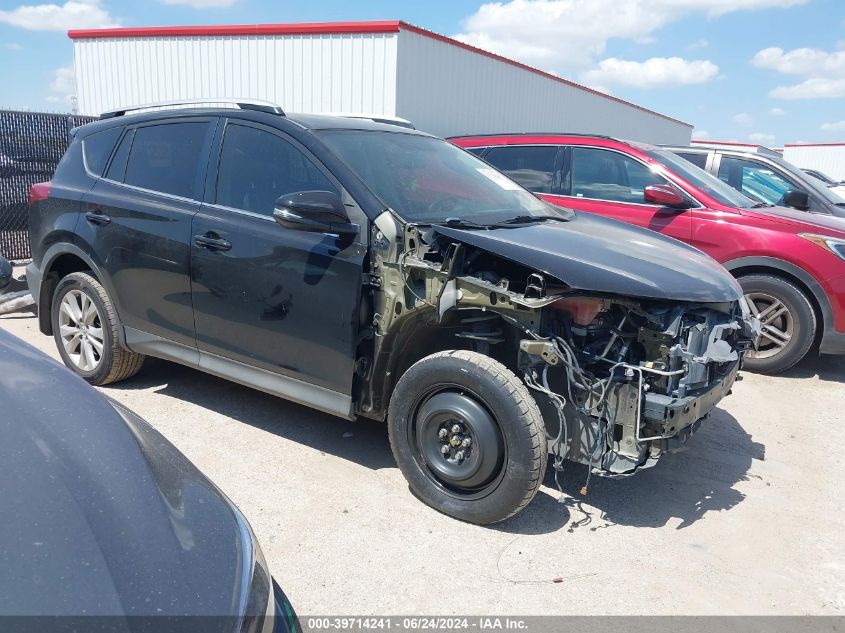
(468, 436)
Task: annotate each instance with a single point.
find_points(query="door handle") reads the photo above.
(212, 243)
(97, 218)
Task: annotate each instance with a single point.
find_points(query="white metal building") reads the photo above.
(390, 68)
(828, 158)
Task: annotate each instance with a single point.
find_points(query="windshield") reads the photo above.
(699, 178)
(428, 180)
(814, 183)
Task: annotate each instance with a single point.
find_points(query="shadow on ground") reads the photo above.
(367, 445)
(827, 367)
(683, 486)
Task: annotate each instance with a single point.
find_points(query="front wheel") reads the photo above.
(468, 436)
(788, 320)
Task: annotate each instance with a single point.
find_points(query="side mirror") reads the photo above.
(316, 211)
(796, 199)
(5, 273)
(665, 196)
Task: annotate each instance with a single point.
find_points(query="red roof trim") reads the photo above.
(726, 143)
(315, 28)
(304, 28)
(814, 144)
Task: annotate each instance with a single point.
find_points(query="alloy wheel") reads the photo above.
(81, 330)
(777, 321)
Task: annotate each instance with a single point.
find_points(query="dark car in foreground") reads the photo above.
(368, 269)
(790, 263)
(102, 516)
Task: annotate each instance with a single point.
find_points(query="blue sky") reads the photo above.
(770, 71)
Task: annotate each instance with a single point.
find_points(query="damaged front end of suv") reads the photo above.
(626, 346)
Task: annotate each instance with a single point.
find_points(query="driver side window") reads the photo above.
(755, 180)
(257, 167)
(605, 175)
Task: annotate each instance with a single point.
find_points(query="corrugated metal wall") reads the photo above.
(450, 91)
(441, 87)
(302, 73)
(828, 159)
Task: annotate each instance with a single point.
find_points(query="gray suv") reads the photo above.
(763, 175)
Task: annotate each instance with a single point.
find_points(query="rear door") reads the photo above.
(538, 168)
(137, 218)
(610, 183)
(274, 298)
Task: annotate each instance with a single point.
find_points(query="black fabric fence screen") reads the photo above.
(31, 145)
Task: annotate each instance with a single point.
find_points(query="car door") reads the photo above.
(273, 298)
(610, 183)
(538, 168)
(762, 182)
(137, 219)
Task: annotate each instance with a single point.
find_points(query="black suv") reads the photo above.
(367, 269)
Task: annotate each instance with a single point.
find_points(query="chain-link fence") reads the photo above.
(31, 145)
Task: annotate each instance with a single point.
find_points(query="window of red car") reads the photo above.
(602, 174)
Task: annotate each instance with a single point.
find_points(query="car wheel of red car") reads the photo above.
(788, 319)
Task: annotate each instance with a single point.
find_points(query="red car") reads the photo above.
(790, 263)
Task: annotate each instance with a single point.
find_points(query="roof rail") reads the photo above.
(375, 118)
(517, 134)
(243, 104)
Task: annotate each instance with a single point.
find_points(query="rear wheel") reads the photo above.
(468, 436)
(788, 319)
(85, 327)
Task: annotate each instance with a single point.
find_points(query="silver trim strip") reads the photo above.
(293, 389)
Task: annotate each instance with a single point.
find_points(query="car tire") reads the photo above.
(85, 327)
(471, 397)
(790, 334)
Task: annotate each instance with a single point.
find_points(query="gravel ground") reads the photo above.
(747, 521)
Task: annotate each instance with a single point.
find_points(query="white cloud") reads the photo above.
(73, 14)
(700, 134)
(657, 71)
(823, 72)
(801, 61)
(814, 88)
(743, 118)
(761, 138)
(63, 85)
(568, 35)
(700, 43)
(837, 126)
(202, 4)
(13, 46)
(777, 112)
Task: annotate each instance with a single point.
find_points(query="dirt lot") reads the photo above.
(748, 520)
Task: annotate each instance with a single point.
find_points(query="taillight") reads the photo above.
(38, 191)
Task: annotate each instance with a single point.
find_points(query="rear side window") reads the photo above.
(532, 166)
(257, 167)
(604, 175)
(166, 157)
(98, 147)
(117, 166)
(699, 160)
(478, 151)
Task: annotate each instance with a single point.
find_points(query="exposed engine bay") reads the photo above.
(620, 380)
